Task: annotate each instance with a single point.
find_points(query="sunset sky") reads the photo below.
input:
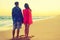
(39, 7)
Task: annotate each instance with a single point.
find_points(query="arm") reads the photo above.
(21, 15)
(12, 13)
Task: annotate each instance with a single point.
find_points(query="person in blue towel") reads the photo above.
(17, 18)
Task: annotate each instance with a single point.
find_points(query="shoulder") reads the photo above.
(26, 10)
(19, 8)
(23, 9)
(13, 8)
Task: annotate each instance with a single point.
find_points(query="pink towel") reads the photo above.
(27, 16)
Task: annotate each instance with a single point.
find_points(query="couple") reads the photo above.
(21, 17)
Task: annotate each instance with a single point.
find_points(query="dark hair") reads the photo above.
(26, 6)
(16, 3)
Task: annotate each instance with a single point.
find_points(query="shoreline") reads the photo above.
(41, 30)
(8, 27)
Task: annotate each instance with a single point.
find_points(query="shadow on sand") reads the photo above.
(23, 38)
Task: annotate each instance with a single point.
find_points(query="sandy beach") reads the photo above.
(48, 29)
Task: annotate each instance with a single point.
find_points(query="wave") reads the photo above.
(7, 20)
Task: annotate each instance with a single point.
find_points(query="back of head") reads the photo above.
(16, 3)
(26, 6)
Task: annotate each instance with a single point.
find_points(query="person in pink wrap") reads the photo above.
(27, 18)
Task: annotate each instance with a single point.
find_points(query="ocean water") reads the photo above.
(7, 20)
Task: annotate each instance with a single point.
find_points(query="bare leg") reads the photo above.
(26, 30)
(18, 29)
(13, 33)
(17, 33)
